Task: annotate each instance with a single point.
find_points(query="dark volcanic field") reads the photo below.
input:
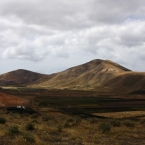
(80, 102)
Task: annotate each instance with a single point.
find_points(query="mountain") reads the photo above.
(129, 82)
(19, 77)
(103, 76)
(85, 76)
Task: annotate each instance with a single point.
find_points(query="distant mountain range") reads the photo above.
(97, 75)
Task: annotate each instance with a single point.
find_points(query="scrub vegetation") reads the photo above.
(58, 128)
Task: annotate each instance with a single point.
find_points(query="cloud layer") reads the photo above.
(72, 32)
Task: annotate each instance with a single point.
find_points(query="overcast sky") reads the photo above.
(49, 36)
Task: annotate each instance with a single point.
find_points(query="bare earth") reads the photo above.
(11, 100)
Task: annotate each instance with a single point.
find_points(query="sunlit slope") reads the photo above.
(84, 76)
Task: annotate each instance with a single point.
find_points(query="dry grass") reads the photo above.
(125, 114)
(62, 129)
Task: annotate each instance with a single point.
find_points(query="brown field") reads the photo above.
(74, 118)
(121, 115)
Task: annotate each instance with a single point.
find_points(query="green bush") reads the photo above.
(105, 127)
(29, 137)
(29, 126)
(128, 123)
(13, 130)
(2, 120)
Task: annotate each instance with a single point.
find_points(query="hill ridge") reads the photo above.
(87, 74)
(96, 75)
(19, 77)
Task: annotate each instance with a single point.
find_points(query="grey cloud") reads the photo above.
(62, 14)
(133, 33)
(76, 31)
(24, 53)
(53, 14)
(110, 11)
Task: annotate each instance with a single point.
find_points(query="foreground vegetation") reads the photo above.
(86, 119)
(56, 128)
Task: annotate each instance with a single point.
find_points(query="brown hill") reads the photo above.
(97, 75)
(85, 76)
(11, 100)
(129, 82)
(19, 77)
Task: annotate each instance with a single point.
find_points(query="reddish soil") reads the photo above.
(11, 100)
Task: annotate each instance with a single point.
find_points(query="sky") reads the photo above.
(49, 36)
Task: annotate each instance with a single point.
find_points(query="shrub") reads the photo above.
(2, 120)
(66, 124)
(70, 120)
(45, 118)
(105, 127)
(77, 120)
(29, 137)
(128, 123)
(43, 104)
(35, 115)
(93, 120)
(115, 123)
(34, 121)
(26, 114)
(29, 126)
(142, 121)
(59, 128)
(13, 130)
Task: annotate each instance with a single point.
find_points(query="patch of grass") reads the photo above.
(13, 130)
(128, 123)
(45, 118)
(35, 115)
(26, 114)
(115, 123)
(29, 126)
(70, 120)
(105, 126)
(92, 120)
(59, 128)
(29, 137)
(2, 120)
(142, 121)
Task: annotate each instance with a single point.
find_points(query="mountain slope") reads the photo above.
(129, 82)
(19, 77)
(97, 75)
(84, 76)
